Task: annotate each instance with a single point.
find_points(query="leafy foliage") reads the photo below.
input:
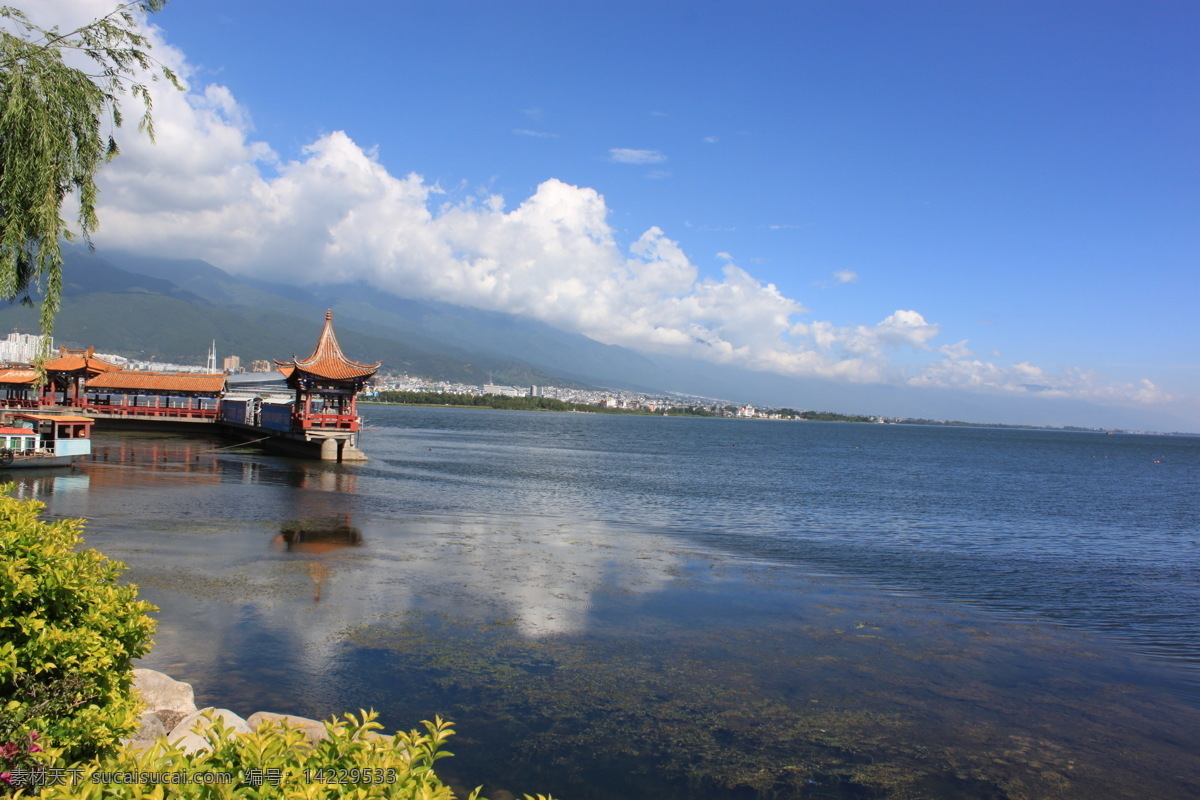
(68, 635)
(277, 761)
(52, 140)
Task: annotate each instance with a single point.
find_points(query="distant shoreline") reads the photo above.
(489, 402)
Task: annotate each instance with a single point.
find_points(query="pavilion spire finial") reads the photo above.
(327, 360)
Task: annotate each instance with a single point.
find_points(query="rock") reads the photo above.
(170, 719)
(163, 693)
(191, 741)
(150, 729)
(314, 731)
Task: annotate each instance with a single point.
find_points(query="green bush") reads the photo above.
(68, 636)
(276, 761)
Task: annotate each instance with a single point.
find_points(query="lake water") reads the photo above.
(689, 608)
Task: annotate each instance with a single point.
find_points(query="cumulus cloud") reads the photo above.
(960, 371)
(335, 213)
(627, 155)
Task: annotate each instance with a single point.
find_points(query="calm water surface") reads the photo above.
(634, 606)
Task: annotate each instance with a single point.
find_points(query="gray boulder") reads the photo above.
(150, 729)
(163, 693)
(314, 731)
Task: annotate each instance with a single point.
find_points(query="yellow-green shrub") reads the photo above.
(68, 635)
(275, 761)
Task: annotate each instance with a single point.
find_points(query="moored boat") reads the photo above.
(44, 440)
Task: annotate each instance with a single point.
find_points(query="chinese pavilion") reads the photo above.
(19, 387)
(326, 386)
(66, 374)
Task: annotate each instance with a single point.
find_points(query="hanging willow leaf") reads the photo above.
(53, 139)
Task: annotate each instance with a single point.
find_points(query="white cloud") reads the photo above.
(208, 190)
(534, 134)
(956, 351)
(958, 370)
(711, 139)
(905, 328)
(840, 277)
(627, 155)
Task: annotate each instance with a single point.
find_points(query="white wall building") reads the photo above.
(23, 348)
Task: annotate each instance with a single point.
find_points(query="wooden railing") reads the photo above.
(7, 402)
(154, 412)
(340, 422)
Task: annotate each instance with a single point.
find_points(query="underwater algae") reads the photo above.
(844, 708)
(731, 680)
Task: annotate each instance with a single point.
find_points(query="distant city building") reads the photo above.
(259, 365)
(506, 391)
(160, 366)
(113, 358)
(24, 348)
(233, 363)
(535, 391)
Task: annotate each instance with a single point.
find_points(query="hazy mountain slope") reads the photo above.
(511, 348)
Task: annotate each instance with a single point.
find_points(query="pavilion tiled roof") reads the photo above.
(16, 375)
(327, 360)
(129, 380)
(75, 360)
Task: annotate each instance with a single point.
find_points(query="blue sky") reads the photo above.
(1023, 177)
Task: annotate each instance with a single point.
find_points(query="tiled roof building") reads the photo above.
(326, 384)
(66, 374)
(327, 361)
(79, 361)
(158, 382)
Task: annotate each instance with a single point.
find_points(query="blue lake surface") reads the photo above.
(614, 606)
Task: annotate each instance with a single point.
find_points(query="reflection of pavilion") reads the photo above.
(318, 537)
(166, 461)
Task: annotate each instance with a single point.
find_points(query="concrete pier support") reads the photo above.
(329, 450)
(349, 452)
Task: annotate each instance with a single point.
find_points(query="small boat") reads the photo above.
(44, 440)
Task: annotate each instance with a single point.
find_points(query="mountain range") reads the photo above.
(171, 310)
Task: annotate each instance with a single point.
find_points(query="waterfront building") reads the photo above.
(155, 394)
(66, 374)
(326, 385)
(18, 387)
